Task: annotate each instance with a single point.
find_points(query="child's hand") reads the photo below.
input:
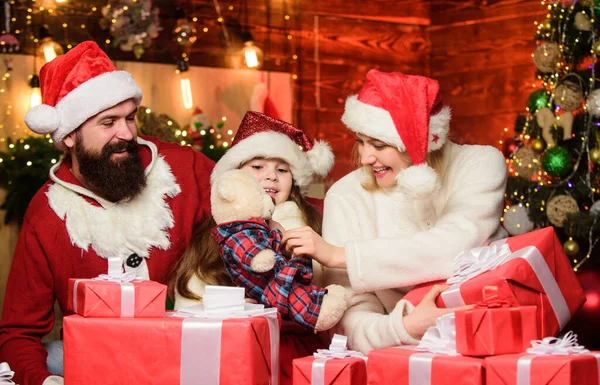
(305, 241)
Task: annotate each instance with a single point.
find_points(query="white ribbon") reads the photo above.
(441, 338)
(419, 368)
(453, 298)
(202, 334)
(223, 299)
(564, 346)
(470, 263)
(567, 345)
(115, 274)
(6, 374)
(337, 350)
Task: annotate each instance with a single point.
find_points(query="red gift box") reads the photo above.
(524, 369)
(538, 273)
(337, 371)
(399, 366)
(97, 298)
(171, 351)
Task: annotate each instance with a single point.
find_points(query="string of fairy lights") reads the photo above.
(557, 101)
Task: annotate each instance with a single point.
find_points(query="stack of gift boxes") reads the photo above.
(524, 292)
(121, 334)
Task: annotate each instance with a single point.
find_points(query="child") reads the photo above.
(274, 152)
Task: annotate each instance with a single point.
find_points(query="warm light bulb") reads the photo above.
(36, 96)
(186, 93)
(252, 56)
(50, 49)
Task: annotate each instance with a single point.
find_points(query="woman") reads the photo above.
(400, 219)
(284, 161)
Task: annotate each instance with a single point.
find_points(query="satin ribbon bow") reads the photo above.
(470, 263)
(492, 300)
(545, 119)
(6, 374)
(115, 272)
(440, 338)
(566, 345)
(337, 349)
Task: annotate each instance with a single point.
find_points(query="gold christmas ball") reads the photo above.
(595, 155)
(547, 25)
(558, 207)
(596, 48)
(526, 162)
(545, 57)
(568, 96)
(537, 145)
(571, 248)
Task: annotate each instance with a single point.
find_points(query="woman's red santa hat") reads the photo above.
(261, 136)
(77, 86)
(407, 112)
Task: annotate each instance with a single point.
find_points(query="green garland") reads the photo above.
(24, 169)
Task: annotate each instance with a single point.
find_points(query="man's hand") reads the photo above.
(305, 241)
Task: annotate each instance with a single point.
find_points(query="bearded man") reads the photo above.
(113, 194)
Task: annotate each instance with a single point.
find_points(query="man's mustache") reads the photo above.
(130, 146)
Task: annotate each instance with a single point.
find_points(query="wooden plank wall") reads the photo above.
(481, 54)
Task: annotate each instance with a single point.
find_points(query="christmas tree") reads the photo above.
(554, 155)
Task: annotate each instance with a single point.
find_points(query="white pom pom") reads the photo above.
(42, 119)
(320, 158)
(418, 182)
(516, 220)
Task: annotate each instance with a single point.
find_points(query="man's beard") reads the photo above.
(113, 180)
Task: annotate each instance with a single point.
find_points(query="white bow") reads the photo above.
(545, 118)
(115, 272)
(557, 346)
(6, 374)
(471, 263)
(440, 338)
(337, 349)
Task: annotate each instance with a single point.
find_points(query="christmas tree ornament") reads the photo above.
(546, 56)
(199, 121)
(509, 146)
(593, 103)
(582, 22)
(537, 99)
(546, 120)
(595, 155)
(516, 220)
(558, 207)
(526, 162)
(557, 161)
(547, 26)
(537, 145)
(571, 247)
(568, 96)
(185, 33)
(596, 48)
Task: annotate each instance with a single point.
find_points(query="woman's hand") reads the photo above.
(426, 312)
(305, 241)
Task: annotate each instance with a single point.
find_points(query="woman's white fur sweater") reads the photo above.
(393, 243)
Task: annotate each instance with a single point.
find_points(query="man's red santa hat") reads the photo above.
(261, 136)
(407, 112)
(77, 86)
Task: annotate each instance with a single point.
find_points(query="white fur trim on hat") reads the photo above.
(320, 158)
(88, 99)
(377, 123)
(418, 182)
(268, 144)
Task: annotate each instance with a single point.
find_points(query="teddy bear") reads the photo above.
(256, 260)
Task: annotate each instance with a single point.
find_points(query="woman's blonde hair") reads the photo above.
(203, 257)
(435, 160)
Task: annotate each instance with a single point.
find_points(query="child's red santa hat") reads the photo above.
(406, 112)
(261, 136)
(77, 86)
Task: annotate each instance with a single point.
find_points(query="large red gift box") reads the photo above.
(171, 351)
(337, 371)
(488, 332)
(400, 366)
(538, 273)
(525, 369)
(98, 298)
